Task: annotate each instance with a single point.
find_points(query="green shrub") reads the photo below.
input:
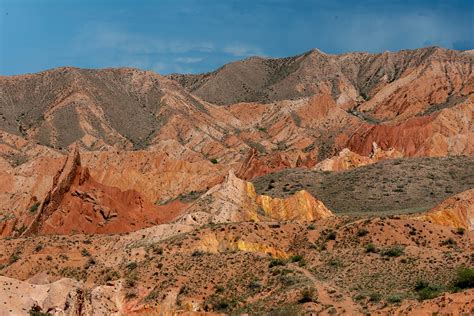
(14, 258)
(286, 310)
(90, 262)
(255, 285)
(155, 248)
(183, 290)
(370, 248)
(394, 298)
(464, 278)
(131, 280)
(198, 253)
(359, 297)
(131, 265)
(365, 96)
(394, 251)
(213, 160)
(85, 253)
(421, 284)
(219, 289)
(331, 235)
(222, 305)
(460, 231)
(335, 262)
(448, 242)
(426, 291)
(276, 262)
(153, 295)
(375, 297)
(296, 258)
(130, 295)
(308, 295)
(362, 232)
(34, 207)
(110, 275)
(36, 311)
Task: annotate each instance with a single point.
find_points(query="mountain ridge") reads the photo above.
(197, 83)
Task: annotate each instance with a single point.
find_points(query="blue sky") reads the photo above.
(191, 36)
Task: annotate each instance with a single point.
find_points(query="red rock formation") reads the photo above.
(78, 203)
(255, 165)
(450, 131)
(61, 184)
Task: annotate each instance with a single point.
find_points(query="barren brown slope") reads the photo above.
(101, 107)
(388, 78)
(131, 109)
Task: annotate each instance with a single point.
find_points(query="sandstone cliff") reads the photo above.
(235, 200)
(456, 212)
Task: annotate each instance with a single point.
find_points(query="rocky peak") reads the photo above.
(62, 182)
(235, 200)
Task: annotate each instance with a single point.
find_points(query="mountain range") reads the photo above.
(314, 183)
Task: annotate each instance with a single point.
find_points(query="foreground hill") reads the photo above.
(334, 266)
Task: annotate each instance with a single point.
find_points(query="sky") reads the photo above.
(194, 36)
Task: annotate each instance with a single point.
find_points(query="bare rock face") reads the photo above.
(130, 109)
(447, 132)
(62, 182)
(347, 159)
(157, 175)
(456, 212)
(301, 206)
(256, 165)
(231, 201)
(63, 297)
(78, 203)
(235, 200)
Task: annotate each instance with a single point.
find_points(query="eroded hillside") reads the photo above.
(327, 184)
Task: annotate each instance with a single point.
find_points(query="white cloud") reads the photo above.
(242, 50)
(114, 46)
(189, 60)
(106, 36)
